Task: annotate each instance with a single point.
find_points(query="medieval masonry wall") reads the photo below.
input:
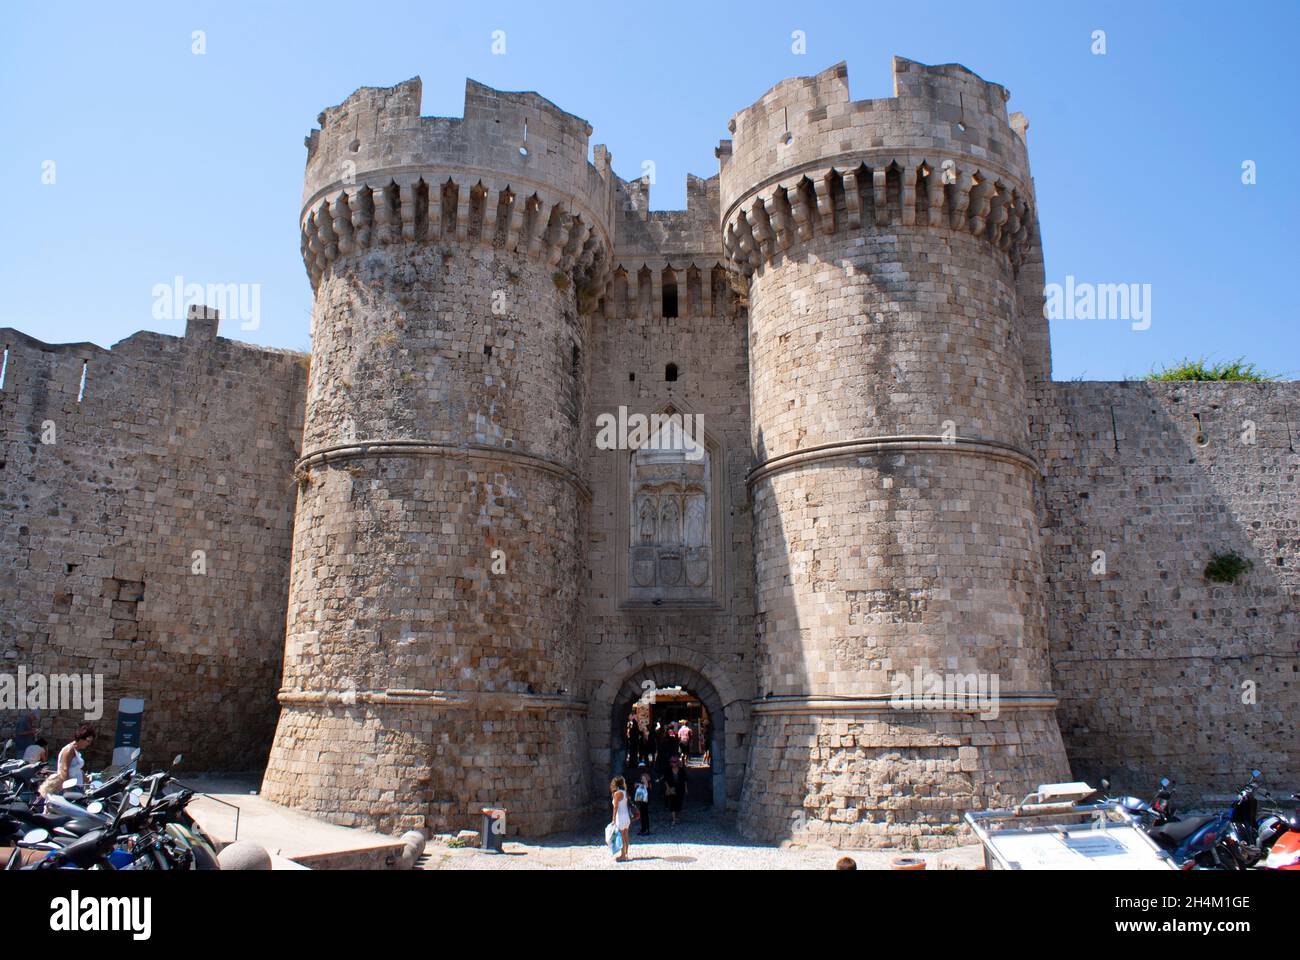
(470, 587)
(434, 636)
(176, 445)
(669, 313)
(1160, 671)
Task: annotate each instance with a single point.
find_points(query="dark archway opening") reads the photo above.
(647, 721)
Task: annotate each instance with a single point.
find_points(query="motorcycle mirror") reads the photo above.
(135, 798)
(1256, 774)
(176, 762)
(95, 807)
(1105, 785)
(39, 835)
(1164, 782)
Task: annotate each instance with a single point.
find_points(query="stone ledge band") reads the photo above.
(455, 699)
(886, 703)
(436, 699)
(877, 446)
(404, 448)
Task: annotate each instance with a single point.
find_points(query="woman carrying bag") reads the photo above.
(616, 832)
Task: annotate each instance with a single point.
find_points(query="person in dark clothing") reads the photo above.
(669, 745)
(675, 787)
(634, 747)
(25, 731)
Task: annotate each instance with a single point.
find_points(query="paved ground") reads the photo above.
(701, 842)
(292, 838)
(698, 843)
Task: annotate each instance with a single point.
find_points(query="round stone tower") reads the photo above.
(432, 640)
(903, 667)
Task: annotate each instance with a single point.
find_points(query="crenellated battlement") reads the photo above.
(512, 174)
(667, 251)
(806, 159)
(421, 536)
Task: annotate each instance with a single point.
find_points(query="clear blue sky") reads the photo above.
(168, 163)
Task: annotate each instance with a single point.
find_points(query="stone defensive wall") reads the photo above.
(1161, 671)
(668, 263)
(893, 487)
(671, 340)
(434, 636)
(146, 500)
(511, 175)
(414, 542)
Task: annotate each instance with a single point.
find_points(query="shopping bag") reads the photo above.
(613, 839)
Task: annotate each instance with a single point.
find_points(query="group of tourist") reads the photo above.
(33, 748)
(658, 756)
(637, 809)
(657, 746)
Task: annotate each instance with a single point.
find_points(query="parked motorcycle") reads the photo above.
(125, 822)
(1236, 838)
(1279, 838)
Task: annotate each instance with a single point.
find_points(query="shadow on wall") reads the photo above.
(872, 565)
(1160, 671)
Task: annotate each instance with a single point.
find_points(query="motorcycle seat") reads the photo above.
(1180, 830)
(18, 811)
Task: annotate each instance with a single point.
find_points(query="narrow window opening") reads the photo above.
(4, 368)
(631, 377)
(670, 299)
(81, 389)
(670, 372)
(487, 349)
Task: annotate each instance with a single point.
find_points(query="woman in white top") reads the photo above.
(622, 816)
(71, 764)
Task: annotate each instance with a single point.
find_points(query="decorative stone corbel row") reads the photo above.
(631, 280)
(513, 218)
(868, 194)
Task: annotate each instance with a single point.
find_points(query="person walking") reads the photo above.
(633, 740)
(641, 796)
(670, 746)
(72, 766)
(684, 739)
(675, 787)
(622, 816)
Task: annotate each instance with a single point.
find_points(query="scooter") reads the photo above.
(1279, 838)
(1228, 840)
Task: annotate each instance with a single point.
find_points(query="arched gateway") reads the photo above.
(687, 686)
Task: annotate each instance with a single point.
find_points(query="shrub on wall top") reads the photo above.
(1200, 370)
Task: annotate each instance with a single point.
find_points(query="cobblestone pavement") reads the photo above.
(698, 843)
